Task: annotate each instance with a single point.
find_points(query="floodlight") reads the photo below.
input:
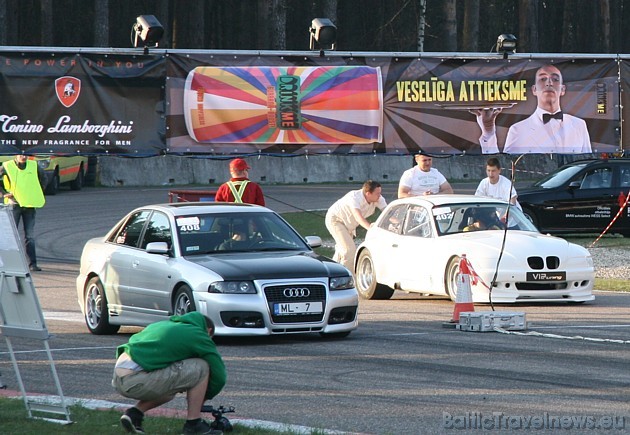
(506, 44)
(147, 32)
(323, 33)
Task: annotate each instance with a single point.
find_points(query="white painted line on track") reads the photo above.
(68, 316)
(579, 326)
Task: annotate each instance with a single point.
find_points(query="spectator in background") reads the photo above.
(496, 185)
(165, 358)
(422, 179)
(22, 182)
(547, 130)
(240, 189)
(345, 215)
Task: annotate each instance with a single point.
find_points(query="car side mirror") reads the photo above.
(157, 248)
(574, 184)
(314, 241)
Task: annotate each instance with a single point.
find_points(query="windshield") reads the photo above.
(236, 232)
(461, 218)
(560, 177)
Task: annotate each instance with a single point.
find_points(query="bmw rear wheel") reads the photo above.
(184, 302)
(367, 286)
(96, 310)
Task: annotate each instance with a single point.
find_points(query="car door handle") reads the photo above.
(135, 263)
(395, 245)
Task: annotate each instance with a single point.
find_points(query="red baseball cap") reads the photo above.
(239, 165)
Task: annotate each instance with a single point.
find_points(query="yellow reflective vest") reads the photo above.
(23, 184)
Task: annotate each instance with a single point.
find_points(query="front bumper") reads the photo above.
(252, 314)
(512, 286)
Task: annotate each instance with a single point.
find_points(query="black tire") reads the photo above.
(96, 310)
(366, 284)
(77, 183)
(53, 186)
(183, 302)
(450, 278)
(529, 214)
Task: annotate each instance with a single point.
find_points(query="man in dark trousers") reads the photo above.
(166, 358)
(240, 189)
(22, 182)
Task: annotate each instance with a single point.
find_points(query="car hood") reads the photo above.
(522, 243)
(269, 265)
(532, 190)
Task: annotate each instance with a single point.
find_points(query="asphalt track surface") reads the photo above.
(401, 372)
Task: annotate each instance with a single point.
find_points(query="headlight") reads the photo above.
(43, 163)
(589, 260)
(233, 287)
(341, 283)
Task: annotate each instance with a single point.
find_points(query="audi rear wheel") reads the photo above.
(96, 310)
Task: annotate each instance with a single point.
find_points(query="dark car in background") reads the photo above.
(582, 196)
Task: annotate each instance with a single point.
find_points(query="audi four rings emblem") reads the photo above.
(296, 292)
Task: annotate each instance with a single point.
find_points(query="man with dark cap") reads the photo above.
(240, 189)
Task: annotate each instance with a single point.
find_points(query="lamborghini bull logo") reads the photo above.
(68, 89)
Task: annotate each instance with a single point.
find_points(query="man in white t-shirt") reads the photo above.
(422, 179)
(496, 185)
(345, 215)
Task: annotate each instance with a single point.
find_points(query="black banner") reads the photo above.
(82, 103)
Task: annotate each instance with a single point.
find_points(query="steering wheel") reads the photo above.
(256, 243)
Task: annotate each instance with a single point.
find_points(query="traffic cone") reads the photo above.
(463, 301)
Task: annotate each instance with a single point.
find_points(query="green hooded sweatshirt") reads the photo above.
(180, 337)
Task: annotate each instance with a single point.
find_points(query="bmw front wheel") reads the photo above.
(450, 278)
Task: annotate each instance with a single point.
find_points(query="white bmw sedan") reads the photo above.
(241, 265)
(417, 243)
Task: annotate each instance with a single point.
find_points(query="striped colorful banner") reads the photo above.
(284, 105)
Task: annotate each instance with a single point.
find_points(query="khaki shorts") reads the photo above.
(166, 382)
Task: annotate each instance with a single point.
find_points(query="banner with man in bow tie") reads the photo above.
(515, 106)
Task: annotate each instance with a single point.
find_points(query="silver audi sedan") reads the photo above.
(241, 265)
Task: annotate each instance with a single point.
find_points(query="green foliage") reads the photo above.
(14, 421)
(616, 285)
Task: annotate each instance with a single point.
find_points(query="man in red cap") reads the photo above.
(240, 189)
